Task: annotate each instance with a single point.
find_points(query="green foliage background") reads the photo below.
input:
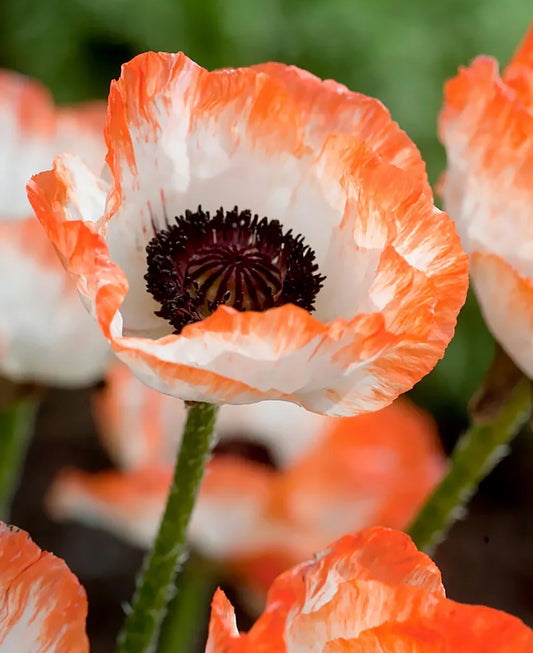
(399, 51)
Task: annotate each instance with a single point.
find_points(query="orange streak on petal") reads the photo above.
(81, 248)
(222, 625)
(375, 554)
(450, 627)
(40, 596)
(330, 107)
(483, 117)
(375, 468)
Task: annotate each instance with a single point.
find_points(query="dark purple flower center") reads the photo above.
(232, 258)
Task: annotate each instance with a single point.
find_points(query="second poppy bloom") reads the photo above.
(262, 234)
(486, 125)
(368, 593)
(282, 484)
(45, 335)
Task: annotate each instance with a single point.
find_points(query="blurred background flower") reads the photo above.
(282, 484)
(44, 336)
(399, 52)
(486, 126)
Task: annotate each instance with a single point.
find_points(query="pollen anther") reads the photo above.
(231, 258)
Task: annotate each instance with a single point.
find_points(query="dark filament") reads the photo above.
(232, 258)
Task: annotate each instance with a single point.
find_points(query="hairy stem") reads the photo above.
(155, 585)
(474, 457)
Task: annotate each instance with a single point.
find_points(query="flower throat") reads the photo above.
(231, 258)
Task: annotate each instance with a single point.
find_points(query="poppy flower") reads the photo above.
(486, 126)
(261, 234)
(42, 606)
(324, 476)
(372, 592)
(367, 593)
(45, 335)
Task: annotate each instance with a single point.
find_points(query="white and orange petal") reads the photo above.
(372, 593)
(228, 516)
(488, 135)
(42, 606)
(328, 106)
(222, 624)
(33, 131)
(376, 468)
(447, 627)
(178, 137)
(140, 427)
(44, 336)
(128, 504)
(506, 301)
(312, 602)
(486, 126)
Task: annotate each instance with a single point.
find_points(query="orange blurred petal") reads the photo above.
(129, 504)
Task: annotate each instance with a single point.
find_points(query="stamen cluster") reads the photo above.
(232, 258)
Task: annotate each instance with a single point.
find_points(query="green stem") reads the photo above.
(475, 455)
(155, 585)
(16, 428)
(189, 609)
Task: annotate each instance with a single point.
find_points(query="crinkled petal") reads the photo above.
(519, 73)
(374, 554)
(328, 106)
(486, 126)
(42, 606)
(355, 607)
(371, 593)
(449, 628)
(179, 136)
(488, 135)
